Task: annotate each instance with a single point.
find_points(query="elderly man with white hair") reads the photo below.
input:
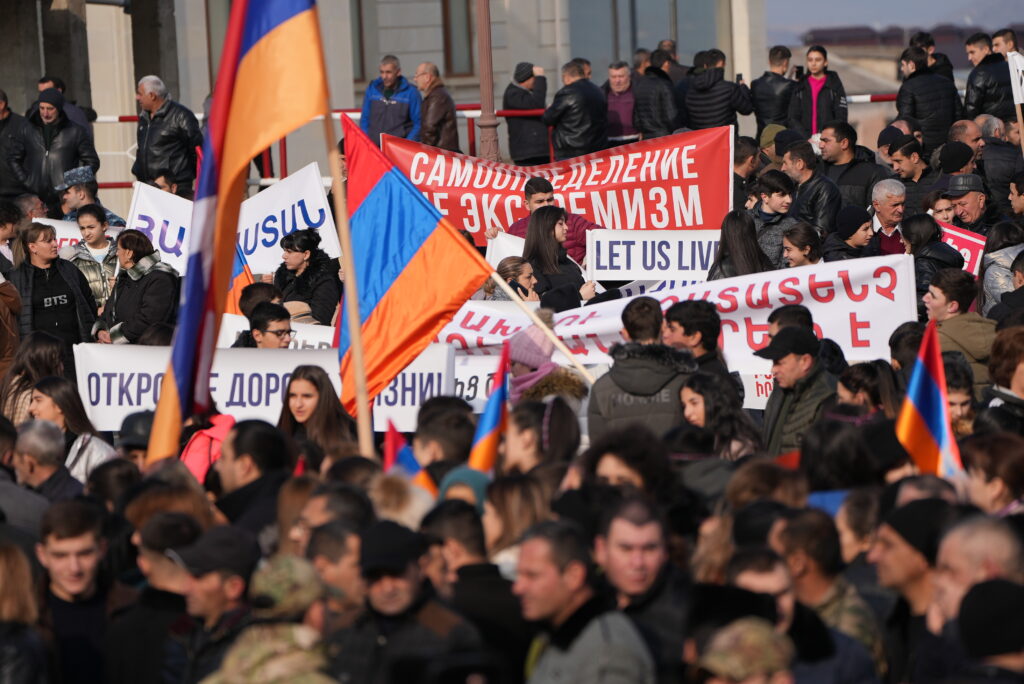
(888, 200)
(168, 136)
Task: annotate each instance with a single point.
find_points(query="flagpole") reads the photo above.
(507, 289)
(351, 298)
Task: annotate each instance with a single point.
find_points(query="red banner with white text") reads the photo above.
(681, 181)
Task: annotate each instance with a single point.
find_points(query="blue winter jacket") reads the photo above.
(398, 115)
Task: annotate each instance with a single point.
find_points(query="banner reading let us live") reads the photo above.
(678, 182)
(857, 303)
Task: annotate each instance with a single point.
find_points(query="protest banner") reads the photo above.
(683, 255)
(681, 181)
(306, 336)
(165, 219)
(971, 245)
(117, 380)
(857, 303)
(296, 203)
(68, 234)
(431, 374)
(504, 245)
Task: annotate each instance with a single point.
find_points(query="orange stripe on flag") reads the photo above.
(917, 439)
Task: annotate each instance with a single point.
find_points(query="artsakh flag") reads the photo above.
(414, 270)
(492, 423)
(923, 426)
(272, 54)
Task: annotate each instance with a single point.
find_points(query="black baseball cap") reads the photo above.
(221, 548)
(791, 340)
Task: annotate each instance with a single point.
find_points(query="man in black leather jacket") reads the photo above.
(167, 137)
(1001, 161)
(988, 86)
(817, 200)
(654, 109)
(579, 115)
(771, 92)
(39, 154)
(931, 99)
(850, 166)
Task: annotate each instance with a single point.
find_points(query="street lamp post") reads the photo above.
(488, 122)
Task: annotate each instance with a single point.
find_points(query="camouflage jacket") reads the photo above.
(845, 611)
(274, 653)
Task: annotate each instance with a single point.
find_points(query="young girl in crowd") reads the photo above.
(923, 239)
(39, 355)
(801, 245)
(871, 385)
(539, 432)
(514, 504)
(559, 280)
(715, 407)
(57, 400)
(308, 276)
(941, 208)
(94, 254)
(818, 98)
(518, 273)
(738, 250)
(313, 411)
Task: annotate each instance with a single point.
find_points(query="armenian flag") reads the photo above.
(272, 54)
(241, 276)
(413, 270)
(492, 423)
(923, 426)
(399, 455)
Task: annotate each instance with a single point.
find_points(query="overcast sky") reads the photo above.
(786, 19)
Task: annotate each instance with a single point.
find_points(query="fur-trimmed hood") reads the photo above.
(645, 368)
(563, 382)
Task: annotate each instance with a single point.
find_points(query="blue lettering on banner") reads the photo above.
(410, 389)
(172, 245)
(275, 226)
(123, 389)
(256, 389)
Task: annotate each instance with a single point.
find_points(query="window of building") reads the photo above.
(458, 37)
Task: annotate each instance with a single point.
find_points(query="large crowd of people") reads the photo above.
(644, 529)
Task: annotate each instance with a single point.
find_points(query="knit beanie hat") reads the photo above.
(53, 97)
(531, 347)
(921, 524)
(954, 156)
(768, 135)
(523, 72)
(850, 219)
(990, 619)
(785, 139)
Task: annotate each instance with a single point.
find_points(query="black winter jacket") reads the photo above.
(318, 286)
(712, 101)
(934, 101)
(916, 190)
(835, 248)
(984, 224)
(831, 104)
(1002, 161)
(10, 185)
(23, 655)
(559, 291)
(85, 304)
(817, 201)
(943, 67)
(579, 114)
(143, 295)
(660, 616)
(41, 168)
(771, 93)
(989, 90)
(527, 137)
(654, 106)
(770, 228)
(167, 141)
(856, 180)
(928, 261)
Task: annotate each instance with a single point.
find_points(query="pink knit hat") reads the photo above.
(531, 347)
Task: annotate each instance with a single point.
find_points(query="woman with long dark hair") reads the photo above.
(40, 355)
(539, 432)
(819, 97)
(738, 250)
(801, 245)
(145, 292)
(1004, 242)
(308, 276)
(313, 412)
(57, 400)
(560, 281)
(710, 404)
(923, 239)
(871, 384)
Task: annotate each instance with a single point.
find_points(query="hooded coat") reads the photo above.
(934, 101)
(972, 335)
(641, 387)
(318, 286)
(712, 101)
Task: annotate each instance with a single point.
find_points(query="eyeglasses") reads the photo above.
(281, 333)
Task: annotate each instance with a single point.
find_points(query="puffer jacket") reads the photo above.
(167, 141)
(654, 108)
(398, 115)
(857, 179)
(989, 90)
(527, 136)
(930, 259)
(145, 294)
(98, 275)
(575, 235)
(1002, 161)
(934, 101)
(438, 119)
(39, 167)
(997, 279)
(972, 335)
(641, 387)
(770, 228)
(831, 104)
(87, 452)
(836, 248)
(579, 115)
(771, 93)
(712, 101)
(791, 412)
(318, 286)
(817, 201)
